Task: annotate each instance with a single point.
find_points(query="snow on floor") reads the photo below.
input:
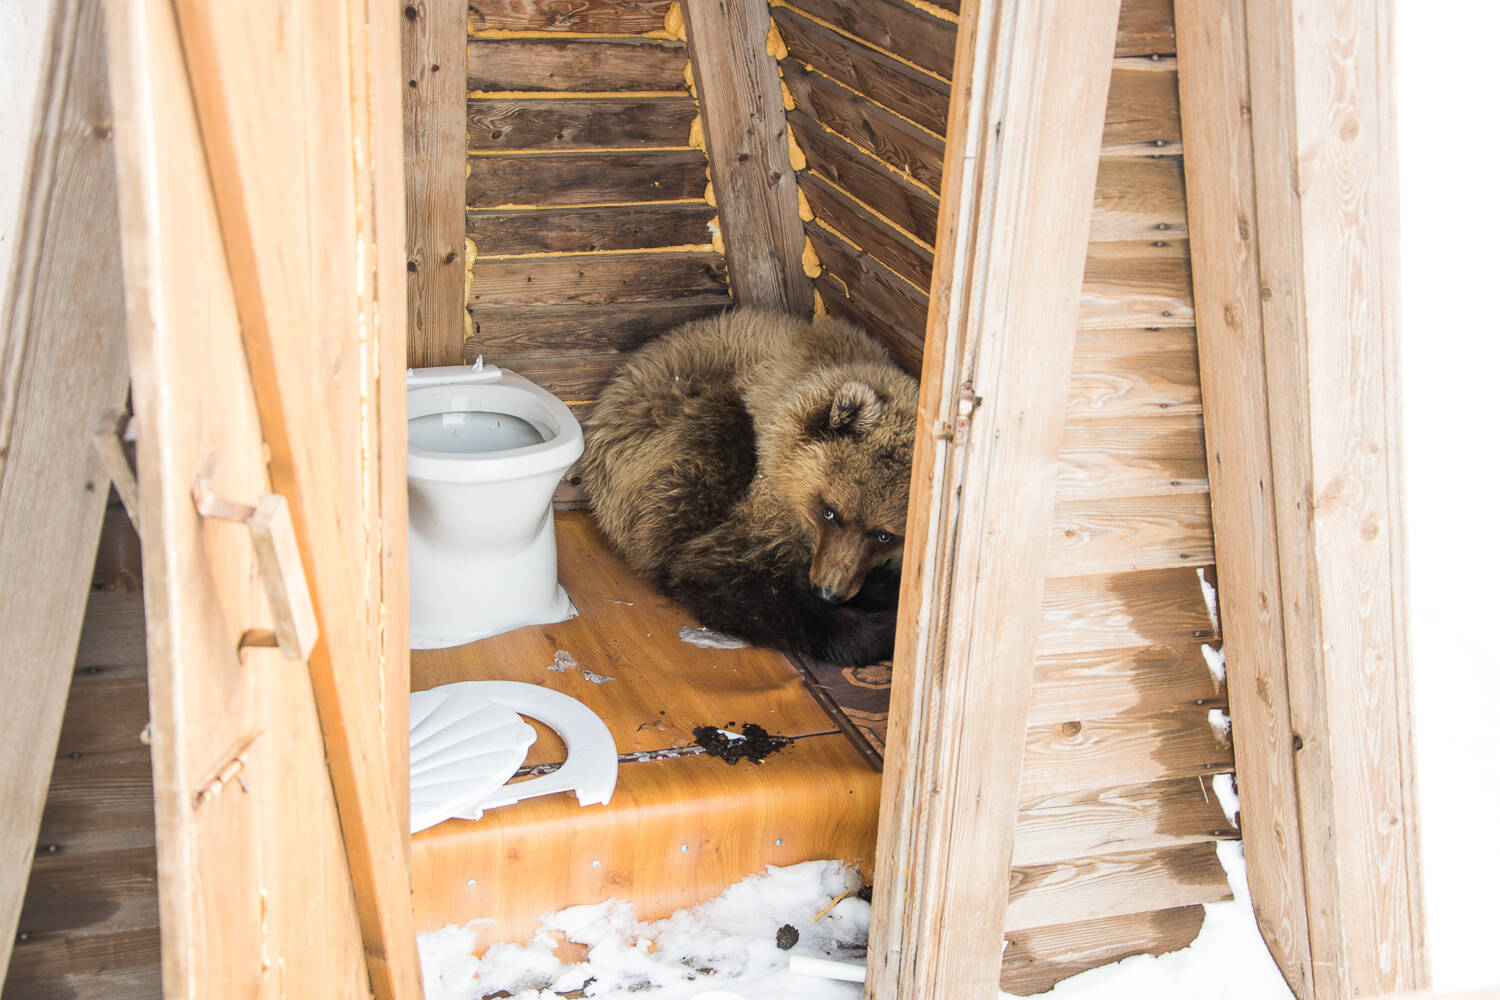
(726, 950)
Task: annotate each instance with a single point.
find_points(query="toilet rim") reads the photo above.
(513, 396)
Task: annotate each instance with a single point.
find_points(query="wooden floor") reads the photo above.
(679, 829)
(89, 924)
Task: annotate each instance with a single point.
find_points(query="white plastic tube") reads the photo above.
(824, 968)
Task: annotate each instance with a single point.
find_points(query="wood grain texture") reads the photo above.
(619, 17)
(815, 799)
(909, 148)
(840, 305)
(1127, 285)
(1037, 959)
(1215, 76)
(744, 126)
(585, 178)
(1132, 457)
(1134, 373)
(518, 123)
(1122, 611)
(1089, 754)
(1146, 28)
(1320, 80)
(1133, 681)
(1139, 198)
(433, 68)
(1114, 885)
(899, 28)
(1053, 828)
(89, 924)
(288, 269)
(584, 230)
(832, 206)
(1130, 534)
(1034, 82)
(576, 64)
(841, 162)
(597, 278)
(877, 288)
(53, 486)
(563, 330)
(1143, 118)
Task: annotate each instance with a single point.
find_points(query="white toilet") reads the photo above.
(486, 448)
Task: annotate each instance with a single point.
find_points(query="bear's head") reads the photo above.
(841, 464)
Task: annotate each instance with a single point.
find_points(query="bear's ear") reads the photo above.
(854, 410)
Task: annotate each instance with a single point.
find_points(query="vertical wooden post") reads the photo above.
(434, 61)
(1214, 78)
(1024, 130)
(744, 126)
(63, 327)
(1288, 131)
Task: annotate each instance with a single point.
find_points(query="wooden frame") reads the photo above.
(1034, 80)
(1287, 124)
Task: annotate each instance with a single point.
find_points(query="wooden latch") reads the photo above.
(231, 770)
(275, 543)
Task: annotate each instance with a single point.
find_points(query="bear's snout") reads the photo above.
(830, 595)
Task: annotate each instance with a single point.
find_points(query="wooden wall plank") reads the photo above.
(498, 124)
(1139, 198)
(1134, 288)
(744, 126)
(530, 179)
(903, 89)
(1146, 28)
(1214, 73)
(1089, 754)
(1033, 80)
(585, 230)
(1123, 610)
(1134, 373)
(872, 283)
(561, 330)
(432, 61)
(576, 64)
(1114, 885)
(1130, 534)
(1106, 682)
(866, 178)
(1037, 959)
(596, 278)
(1056, 827)
(909, 148)
(898, 28)
(885, 243)
(53, 486)
(1144, 118)
(620, 17)
(1325, 187)
(1132, 457)
(905, 350)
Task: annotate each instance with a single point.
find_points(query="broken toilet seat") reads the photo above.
(468, 739)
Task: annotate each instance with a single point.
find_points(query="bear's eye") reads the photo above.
(829, 515)
(883, 537)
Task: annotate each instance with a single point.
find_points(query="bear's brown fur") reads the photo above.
(757, 466)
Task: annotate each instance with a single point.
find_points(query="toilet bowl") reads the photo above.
(486, 449)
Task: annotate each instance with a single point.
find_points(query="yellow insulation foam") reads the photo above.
(695, 134)
(820, 308)
(775, 47)
(804, 210)
(471, 252)
(811, 265)
(787, 101)
(674, 25)
(794, 152)
(717, 245)
(941, 13)
(687, 77)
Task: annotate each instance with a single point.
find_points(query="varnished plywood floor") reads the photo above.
(679, 829)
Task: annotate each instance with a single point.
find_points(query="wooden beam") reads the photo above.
(1325, 182)
(744, 126)
(1214, 74)
(1032, 82)
(63, 328)
(433, 64)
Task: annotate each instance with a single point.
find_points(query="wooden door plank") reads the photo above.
(1325, 186)
(53, 486)
(744, 126)
(1037, 959)
(1055, 827)
(433, 70)
(1215, 79)
(1033, 80)
(1113, 885)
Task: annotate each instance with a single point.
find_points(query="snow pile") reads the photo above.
(728, 943)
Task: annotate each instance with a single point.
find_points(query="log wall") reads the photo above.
(588, 220)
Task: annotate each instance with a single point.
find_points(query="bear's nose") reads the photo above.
(828, 594)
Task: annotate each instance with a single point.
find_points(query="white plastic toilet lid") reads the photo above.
(472, 741)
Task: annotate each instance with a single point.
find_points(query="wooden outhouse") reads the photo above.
(1140, 257)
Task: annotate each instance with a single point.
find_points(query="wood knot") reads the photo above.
(1070, 729)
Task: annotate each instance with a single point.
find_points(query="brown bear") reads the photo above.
(758, 466)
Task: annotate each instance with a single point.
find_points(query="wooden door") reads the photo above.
(259, 156)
